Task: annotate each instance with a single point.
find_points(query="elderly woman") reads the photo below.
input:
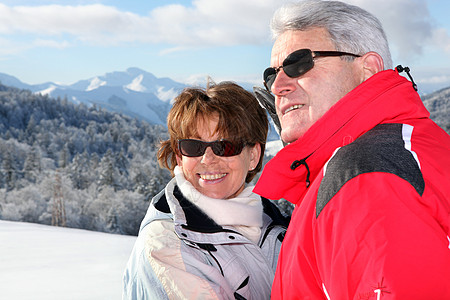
(207, 235)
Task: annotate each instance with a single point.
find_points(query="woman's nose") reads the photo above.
(209, 155)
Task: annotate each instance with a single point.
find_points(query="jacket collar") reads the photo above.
(183, 211)
(386, 97)
(192, 218)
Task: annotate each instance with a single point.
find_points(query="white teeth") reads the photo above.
(212, 176)
(293, 107)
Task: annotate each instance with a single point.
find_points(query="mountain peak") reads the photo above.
(136, 71)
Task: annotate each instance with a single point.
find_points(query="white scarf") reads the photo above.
(243, 213)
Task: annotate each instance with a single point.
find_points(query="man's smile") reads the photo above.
(293, 108)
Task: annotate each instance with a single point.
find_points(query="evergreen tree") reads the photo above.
(9, 171)
(32, 165)
(108, 172)
(64, 157)
(79, 171)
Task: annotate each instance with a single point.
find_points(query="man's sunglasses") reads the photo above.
(298, 63)
(195, 148)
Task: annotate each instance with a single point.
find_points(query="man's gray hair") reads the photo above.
(352, 29)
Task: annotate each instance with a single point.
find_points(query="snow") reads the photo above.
(95, 84)
(47, 91)
(46, 262)
(166, 96)
(76, 101)
(136, 84)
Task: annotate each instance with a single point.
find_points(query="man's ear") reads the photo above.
(372, 63)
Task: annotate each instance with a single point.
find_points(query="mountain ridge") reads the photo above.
(140, 94)
(134, 91)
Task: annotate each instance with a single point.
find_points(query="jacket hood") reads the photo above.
(384, 97)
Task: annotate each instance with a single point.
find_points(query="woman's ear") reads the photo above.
(372, 63)
(179, 160)
(255, 154)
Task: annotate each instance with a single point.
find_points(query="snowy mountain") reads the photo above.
(134, 92)
(142, 95)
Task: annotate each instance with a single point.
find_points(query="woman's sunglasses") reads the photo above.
(195, 148)
(298, 63)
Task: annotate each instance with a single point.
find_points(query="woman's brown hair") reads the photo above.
(241, 119)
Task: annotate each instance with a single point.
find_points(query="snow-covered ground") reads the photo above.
(44, 262)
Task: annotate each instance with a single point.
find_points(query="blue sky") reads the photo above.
(66, 41)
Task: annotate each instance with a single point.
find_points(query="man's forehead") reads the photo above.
(316, 39)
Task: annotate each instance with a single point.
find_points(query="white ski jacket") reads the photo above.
(180, 253)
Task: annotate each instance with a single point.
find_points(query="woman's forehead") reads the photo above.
(204, 125)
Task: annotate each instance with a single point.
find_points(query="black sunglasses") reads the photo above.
(195, 148)
(298, 63)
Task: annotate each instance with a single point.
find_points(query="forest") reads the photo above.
(71, 165)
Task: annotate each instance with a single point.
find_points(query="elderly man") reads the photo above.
(367, 169)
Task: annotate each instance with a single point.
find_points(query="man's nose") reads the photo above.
(282, 84)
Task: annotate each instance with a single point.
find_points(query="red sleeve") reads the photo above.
(378, 239)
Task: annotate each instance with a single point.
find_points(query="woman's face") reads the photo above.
(217, 176)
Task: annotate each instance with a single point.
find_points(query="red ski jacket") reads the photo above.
(371, 185)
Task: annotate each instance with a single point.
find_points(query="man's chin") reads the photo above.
(289, 136)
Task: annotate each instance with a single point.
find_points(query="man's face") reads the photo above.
(301, 101)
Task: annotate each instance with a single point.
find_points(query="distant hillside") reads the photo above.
(133, 92)
(438, 104)
(66, 163)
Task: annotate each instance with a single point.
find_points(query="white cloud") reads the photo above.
(172, 50)
(441, 38)
(408, 25)
(88, 22)
(206, 23)
(436, 79)
(51, 43)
